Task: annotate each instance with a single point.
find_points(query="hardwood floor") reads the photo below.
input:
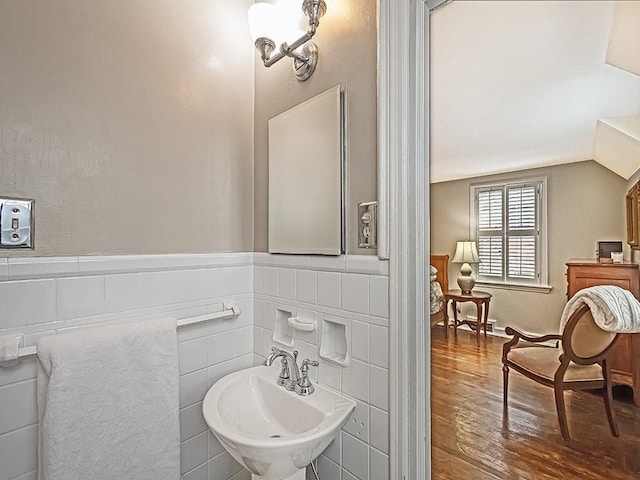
(474, 438)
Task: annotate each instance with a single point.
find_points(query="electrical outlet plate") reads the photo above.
(16, 223)
(368, 225)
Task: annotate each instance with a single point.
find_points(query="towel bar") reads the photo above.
(11, 352)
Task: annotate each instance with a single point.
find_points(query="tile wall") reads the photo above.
(352, 291)
(42, 296)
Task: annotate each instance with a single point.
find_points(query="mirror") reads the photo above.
(306, 177)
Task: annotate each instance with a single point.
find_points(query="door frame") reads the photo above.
(403, 196)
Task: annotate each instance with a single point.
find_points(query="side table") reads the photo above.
(481, 299)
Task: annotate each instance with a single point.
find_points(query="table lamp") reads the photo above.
(466, 253)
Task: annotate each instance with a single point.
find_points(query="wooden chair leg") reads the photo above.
(562, 414)
(505, 387)
(608, 400)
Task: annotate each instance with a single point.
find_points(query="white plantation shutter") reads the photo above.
(508, 232)
(490, 251)
(489, 214)
(490, 210)
(521, 231)
(522, 257)
(521, 211)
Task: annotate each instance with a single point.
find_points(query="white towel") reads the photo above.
(108, 403)
(614, 309)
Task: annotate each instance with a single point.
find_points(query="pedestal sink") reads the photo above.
(272, 432)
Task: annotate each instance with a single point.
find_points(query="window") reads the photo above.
(510, 230)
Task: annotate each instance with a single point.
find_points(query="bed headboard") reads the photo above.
(441, 263)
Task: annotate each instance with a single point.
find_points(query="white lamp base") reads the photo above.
(465, 281)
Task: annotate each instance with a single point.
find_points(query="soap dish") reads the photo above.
(303, 324)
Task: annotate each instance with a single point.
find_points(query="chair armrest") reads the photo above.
(528, 338)
(517, 336)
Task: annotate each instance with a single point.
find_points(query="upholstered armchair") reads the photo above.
(582, 362)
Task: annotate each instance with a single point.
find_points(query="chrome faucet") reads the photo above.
(290, 373)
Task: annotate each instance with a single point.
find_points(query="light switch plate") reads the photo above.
(368, 225)
(16, 223)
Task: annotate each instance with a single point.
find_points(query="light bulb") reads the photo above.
(290, 21)
(261, 18)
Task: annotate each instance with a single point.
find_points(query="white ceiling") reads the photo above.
(522, 84)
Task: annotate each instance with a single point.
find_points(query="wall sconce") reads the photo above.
(264, 28)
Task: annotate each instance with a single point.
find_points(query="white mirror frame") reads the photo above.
(403, 197)
(306, 177)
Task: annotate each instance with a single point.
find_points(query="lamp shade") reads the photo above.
(261, 17)
(466, 252)
(289, 22)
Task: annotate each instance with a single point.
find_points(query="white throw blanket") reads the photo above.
(614, 309)
(108, 403)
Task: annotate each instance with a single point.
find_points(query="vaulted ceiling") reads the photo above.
(517, 85)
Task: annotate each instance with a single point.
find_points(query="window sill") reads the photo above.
(516, 286)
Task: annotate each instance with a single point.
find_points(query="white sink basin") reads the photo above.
(272, 432)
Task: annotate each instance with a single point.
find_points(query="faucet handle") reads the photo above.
(304, 386)
(306, 363)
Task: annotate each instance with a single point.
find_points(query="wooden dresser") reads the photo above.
(583, 273)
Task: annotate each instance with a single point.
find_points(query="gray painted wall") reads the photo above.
(346, 40)
(585, 204)
(130, 123)
(133, 129)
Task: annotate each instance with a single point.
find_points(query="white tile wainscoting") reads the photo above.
(352, 290)
(44, 295)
